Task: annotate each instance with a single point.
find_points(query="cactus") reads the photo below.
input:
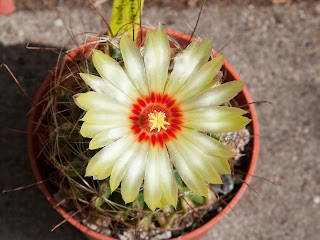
(161, 128)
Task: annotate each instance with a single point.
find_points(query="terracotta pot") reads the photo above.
(6, 7)
(33, 144)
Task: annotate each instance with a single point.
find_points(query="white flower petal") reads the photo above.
(191, 60)
(210, 115)
(92, 100)
(103, 86)
(201, 80)
(208, 145)
(106, 116)
(121, 166)
(223, 125)
(132, 181)
(103, 161)
(196, 160)
(169, 184)
(190, 176)
(110, 70)
(163, 202)
(133, 62)
(103, 175)
(108, 136)
(89, 130)
(220, 164)
(156, 58)
(215, 96)
(152, 180)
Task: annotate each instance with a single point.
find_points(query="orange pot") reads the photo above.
(34, 144)
(6, 7)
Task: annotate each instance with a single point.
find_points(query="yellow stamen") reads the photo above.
(157, 119)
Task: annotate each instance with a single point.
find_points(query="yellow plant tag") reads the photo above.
(126, 17)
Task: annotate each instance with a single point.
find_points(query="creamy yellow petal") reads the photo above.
(110, 70)
(208, 145)
(197, 161)
(104, 116)
(163, 202)
(92, 100)
(104, 160)
(190, 176)
(156, 58)
(215, 96)
(103, 175)
(108, 136)
(152, 181)
(191, 60)
(218, 113)
(133, 62)
(103, 86)
(201, 80)
(122, 164)
(169, 184)
(132, 181)
(89, 130)
(220, 164)
(223, 125)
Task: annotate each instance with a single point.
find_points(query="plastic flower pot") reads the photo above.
(35, 135)
(6, 7)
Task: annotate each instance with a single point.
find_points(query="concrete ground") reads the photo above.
(276, 49)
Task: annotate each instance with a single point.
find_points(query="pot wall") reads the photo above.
(6, 7)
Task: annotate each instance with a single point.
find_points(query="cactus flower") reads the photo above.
(149, 122)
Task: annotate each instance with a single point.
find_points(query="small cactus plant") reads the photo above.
(157, 117)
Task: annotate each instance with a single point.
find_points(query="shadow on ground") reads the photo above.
(25, 209)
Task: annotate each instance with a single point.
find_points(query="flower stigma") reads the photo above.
(157, 120)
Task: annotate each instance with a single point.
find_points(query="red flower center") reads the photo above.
(163, 105)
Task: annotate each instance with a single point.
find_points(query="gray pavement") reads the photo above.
(276, 49)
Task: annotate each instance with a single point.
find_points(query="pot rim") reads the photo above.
(7, 7)
(199, 232)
